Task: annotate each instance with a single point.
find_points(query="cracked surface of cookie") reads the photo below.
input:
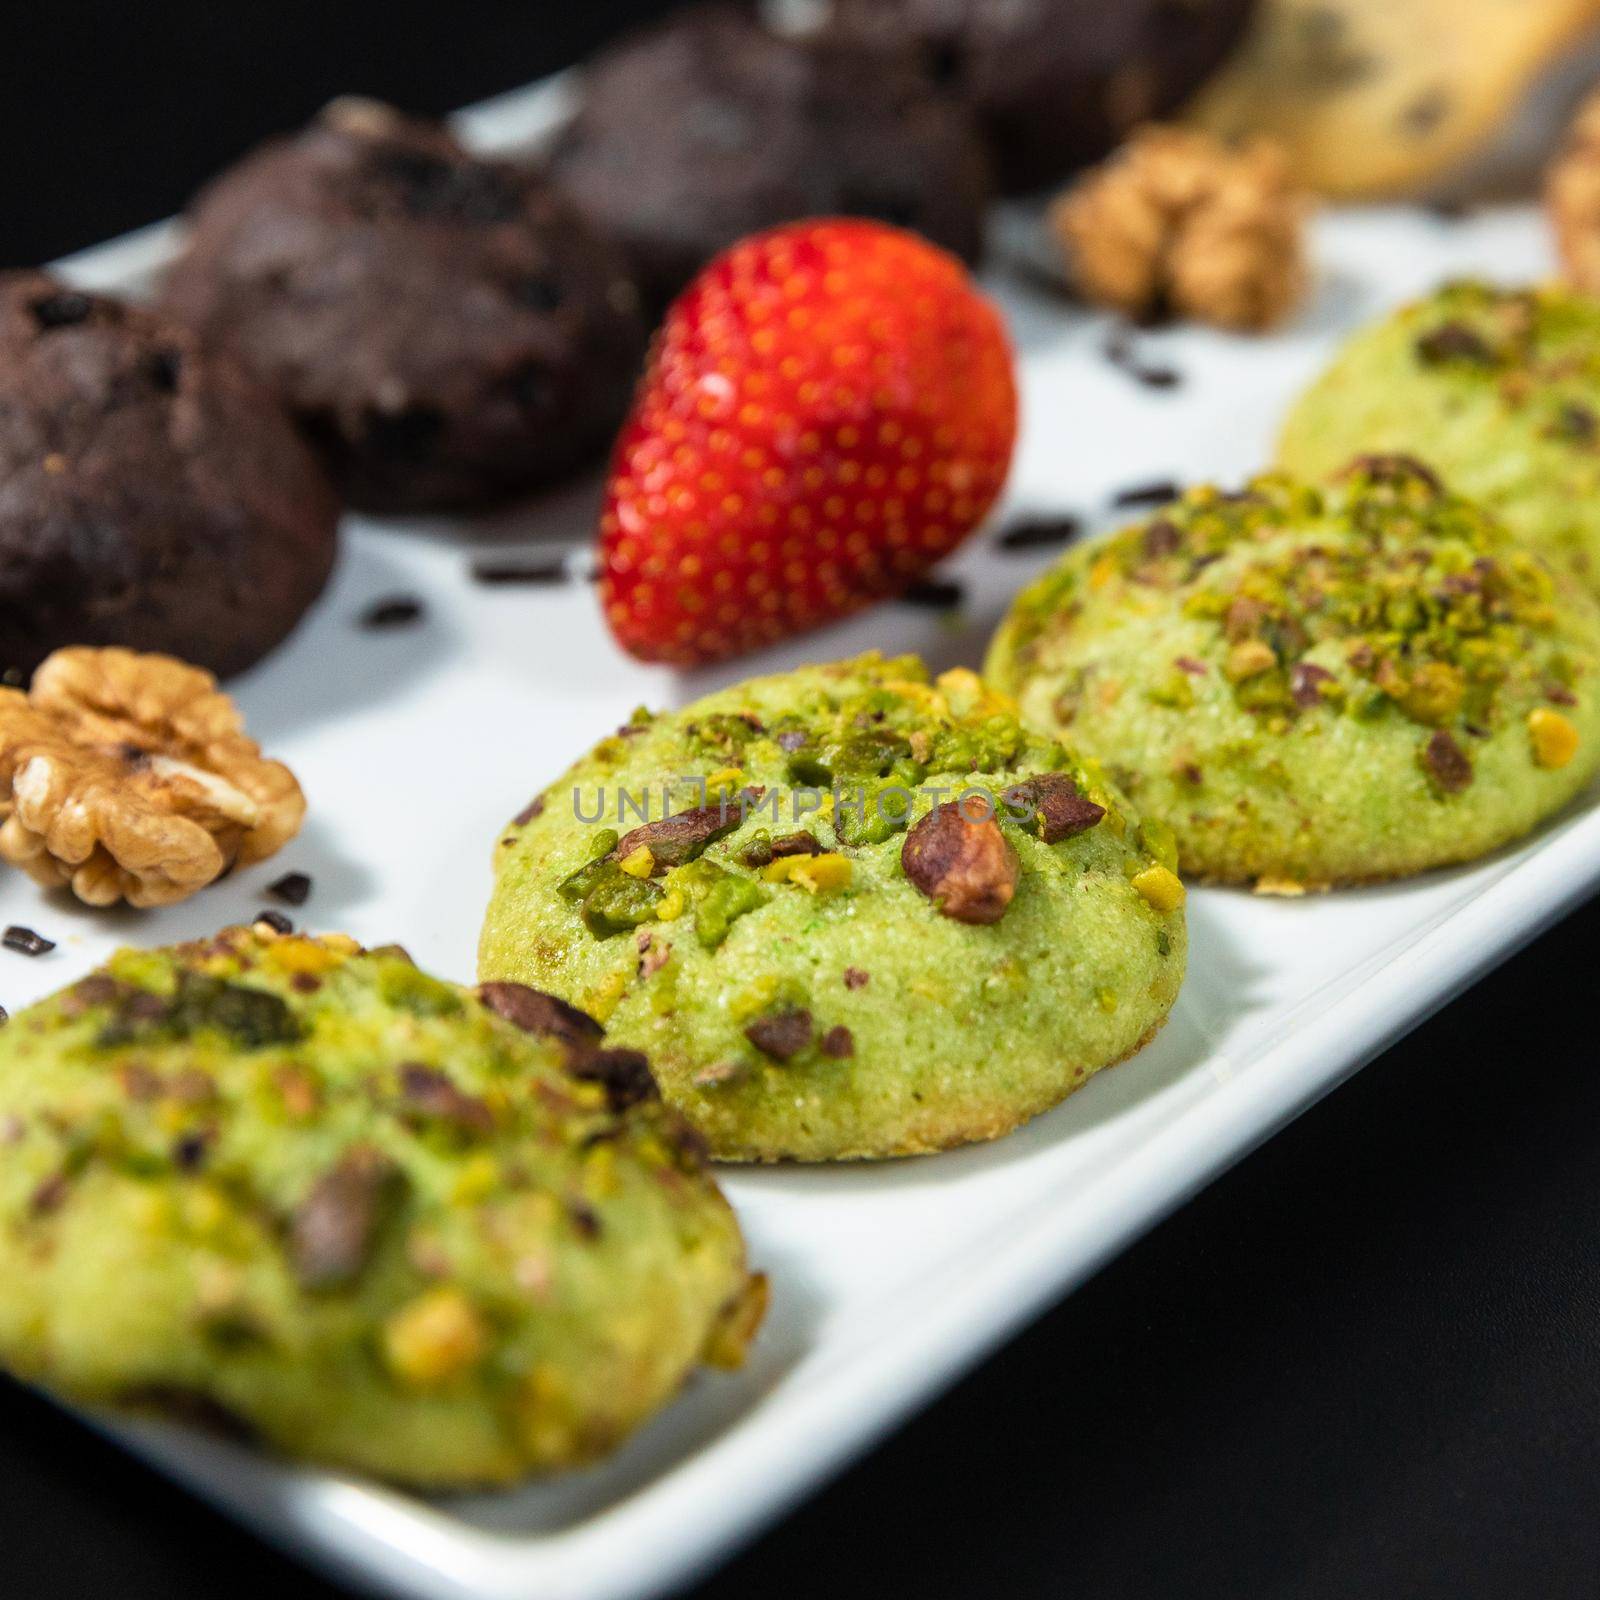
(822, 955)
(1315, 685)
(314, 1195)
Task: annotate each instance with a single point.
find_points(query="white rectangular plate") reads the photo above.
(414, 745)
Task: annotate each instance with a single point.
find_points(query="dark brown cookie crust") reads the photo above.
(151, 494)
(446, 328)
(1060, 83)
(707, 128)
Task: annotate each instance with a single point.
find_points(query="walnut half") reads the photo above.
(1178, 223)
(130, 777)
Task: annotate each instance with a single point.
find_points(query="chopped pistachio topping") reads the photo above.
(1554, 739)
(1161, 889)
(867, 744)
(434, 1338)
(1380, 592)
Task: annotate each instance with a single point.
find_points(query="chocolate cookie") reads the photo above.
(709, 127)
(151, 494)
(446, 328)
(1059, 83)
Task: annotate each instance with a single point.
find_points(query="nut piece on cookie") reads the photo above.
(130, 777)
(1178, 222)
(963, 864)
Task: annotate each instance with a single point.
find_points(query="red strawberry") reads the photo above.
(829, 409)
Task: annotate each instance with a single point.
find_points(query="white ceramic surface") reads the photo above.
(414, 746)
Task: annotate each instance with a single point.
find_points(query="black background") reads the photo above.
(1367, 1362)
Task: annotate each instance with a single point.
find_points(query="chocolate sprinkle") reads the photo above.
(398, 611)
(26, 942)
(1121, 352)
(537, 574)
(1158, 492)
(293, 888)
(1039, 533)
(934, 594)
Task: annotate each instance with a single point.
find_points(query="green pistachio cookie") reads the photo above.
(1315, 686)
(849, 912)
(1497, 389)
(310, 1194)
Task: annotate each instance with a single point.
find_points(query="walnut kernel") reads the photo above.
(130, 777)
(1179, 222)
